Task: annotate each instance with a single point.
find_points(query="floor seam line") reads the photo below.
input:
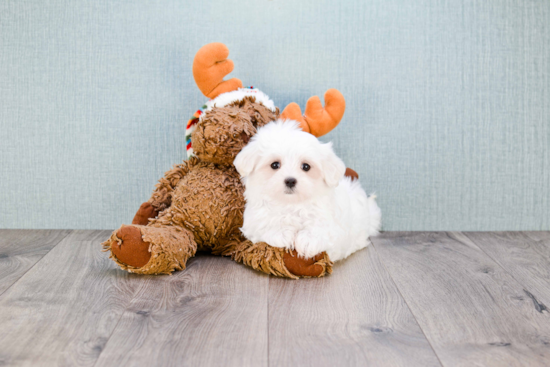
(409, 307)
(525, 288)
(33, 265)
(126, 308)
(112, 332)
(526, 234)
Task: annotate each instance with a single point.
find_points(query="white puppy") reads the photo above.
(297, 196)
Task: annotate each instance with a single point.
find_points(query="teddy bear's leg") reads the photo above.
(151, 249)
(277, 261)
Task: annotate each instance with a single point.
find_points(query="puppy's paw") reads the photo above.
(316, 266)
(280, 239)
(310, 243)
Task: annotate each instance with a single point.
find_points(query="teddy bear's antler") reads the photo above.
(210, 66)
(318, 120)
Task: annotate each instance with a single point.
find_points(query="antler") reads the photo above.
(210, 66)
(318, 120)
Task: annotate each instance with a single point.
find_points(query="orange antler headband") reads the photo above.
(211, 65)
(318, 120)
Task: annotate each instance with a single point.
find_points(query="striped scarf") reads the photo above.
(191, 124)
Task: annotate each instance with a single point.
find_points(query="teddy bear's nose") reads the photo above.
(245, 137)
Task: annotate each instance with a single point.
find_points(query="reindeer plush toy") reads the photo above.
(198, 205)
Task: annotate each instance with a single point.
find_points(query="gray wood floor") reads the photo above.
(411, 299)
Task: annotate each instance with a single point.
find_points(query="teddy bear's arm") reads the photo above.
(162, 195)
(277, 261)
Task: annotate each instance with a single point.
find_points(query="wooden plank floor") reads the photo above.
(410, 299)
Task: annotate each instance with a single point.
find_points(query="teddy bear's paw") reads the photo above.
(131, 250)
(317, 266)
(143, 214)
(351, 174)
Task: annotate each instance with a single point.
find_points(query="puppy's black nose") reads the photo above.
(290, 182)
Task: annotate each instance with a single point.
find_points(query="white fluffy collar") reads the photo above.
(226, 98)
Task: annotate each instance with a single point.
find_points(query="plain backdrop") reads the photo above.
(447, 119)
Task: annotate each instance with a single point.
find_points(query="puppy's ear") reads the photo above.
(247, 159)
(333, 167)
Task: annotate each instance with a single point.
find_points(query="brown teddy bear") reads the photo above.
(198, 205)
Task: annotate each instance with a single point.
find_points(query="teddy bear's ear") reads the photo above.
(333, 167)
(247, 159)
(210, 66)
(318, 120)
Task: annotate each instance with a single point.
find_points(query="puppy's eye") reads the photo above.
(306, 167)
(275, 165)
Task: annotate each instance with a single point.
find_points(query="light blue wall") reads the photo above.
(448, 101)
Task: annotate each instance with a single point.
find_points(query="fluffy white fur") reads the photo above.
(236, 95)
(324, 211)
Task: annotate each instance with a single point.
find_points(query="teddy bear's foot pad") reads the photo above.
(132, 250)
(304, 267)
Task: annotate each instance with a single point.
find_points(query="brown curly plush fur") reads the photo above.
(200, 204)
